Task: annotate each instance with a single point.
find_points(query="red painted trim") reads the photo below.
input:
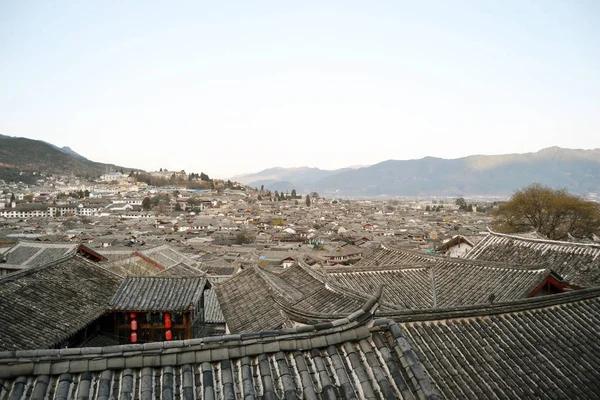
(555, 283)
(87, 250)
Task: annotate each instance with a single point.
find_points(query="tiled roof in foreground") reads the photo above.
(252, 300)
(545, 347)
(444, 282)
(541, 347)
(158, 293)
(340, 359)
(44, 305)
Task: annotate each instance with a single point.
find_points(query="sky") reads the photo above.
(228, 88)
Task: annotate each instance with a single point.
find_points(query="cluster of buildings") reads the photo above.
(237, 297)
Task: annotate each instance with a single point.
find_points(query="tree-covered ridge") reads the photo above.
(21, 157)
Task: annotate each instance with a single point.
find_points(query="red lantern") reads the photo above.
(167, 323)
(168, 335)
(133, 337)
(134, 325)
(132, 315)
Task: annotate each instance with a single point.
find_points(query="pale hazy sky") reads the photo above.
(233, 87)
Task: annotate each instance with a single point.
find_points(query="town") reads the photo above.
(165, 275)
(231, 221)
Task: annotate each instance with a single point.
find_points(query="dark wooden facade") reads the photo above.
(153, 308)
(151, 326)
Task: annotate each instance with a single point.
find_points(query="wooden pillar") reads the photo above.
(188, 325)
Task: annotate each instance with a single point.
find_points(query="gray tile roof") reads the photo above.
(339, 359)
(132, 265)
(158, 293)
(536, 348)
(255, 298)
(543, 347)
(212, 308)
(247, 303)
(388, 256)
(166, 256)
(42, 306)
(181, 269)
(443, 282)
(27, 254)
(577, 263)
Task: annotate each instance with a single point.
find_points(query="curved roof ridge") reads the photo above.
(30, 270)
(380, 268)
(549, 241)
(307, 317)
(531, 303)
(489, 264)
(33, 243)
(278, 285)
(335, 287)
(314, 272)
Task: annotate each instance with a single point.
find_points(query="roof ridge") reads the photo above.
(30, 270)
(549, 241)
(530, 303)
(157, 276)
(372, 303)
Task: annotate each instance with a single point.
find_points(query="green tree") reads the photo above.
(262, 187)
(427, 208)
(461, 203)
(146, 203)
(294, 195)
(241, 238)
(553, 213)
(307, 201)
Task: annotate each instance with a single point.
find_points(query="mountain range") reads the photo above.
(576, 170)
(18, 155)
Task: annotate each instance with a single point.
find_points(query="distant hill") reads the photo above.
(19, 155)
(578, 171)
(64, 149)
(285, 179)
